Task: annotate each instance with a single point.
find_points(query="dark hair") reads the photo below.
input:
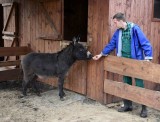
(120, 16)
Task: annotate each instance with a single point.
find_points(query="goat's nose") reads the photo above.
(89, 55)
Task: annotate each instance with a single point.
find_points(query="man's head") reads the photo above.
(119, 20)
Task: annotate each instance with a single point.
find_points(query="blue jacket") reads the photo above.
(140, 46)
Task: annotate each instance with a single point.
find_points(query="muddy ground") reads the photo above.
(75, 108)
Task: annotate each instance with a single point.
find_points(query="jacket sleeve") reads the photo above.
(144, 43)
(110, 46)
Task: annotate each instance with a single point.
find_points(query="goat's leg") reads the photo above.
(34, 85)
(27, 79)
(60, 86)
(25, 85)
(36, 88)
(63, 93)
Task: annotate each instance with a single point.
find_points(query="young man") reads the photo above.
(130, 42)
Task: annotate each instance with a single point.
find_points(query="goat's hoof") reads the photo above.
(39, 95)
(24, 94)
(21, 96)
(62, 98)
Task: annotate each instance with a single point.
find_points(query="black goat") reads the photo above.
(40, 65)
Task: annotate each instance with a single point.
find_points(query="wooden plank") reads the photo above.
(50, 38)
(9, 33)
(12, 74)
(14, 51)
(16, 22)
(8, 38)
(7, 58)
(97, 29)
(10, 63)
(12, 6)
(7, 4)
(91, 72)
(134, 68)
(108, 98)
(133, 93)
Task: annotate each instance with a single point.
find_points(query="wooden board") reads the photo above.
(12, 74)
(134, 68)
(97, 37)
(14, 51)
(133, 93)
(9, 63)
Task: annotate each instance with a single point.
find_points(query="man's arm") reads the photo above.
(108, 48)
(144, 42)
(111, 45)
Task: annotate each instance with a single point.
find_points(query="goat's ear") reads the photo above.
(78, 38)
(74, 40)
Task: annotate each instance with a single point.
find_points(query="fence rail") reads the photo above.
(9, 70)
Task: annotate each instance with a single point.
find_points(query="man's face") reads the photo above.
(118, 23)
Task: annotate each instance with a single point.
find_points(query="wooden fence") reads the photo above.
(10, 69)
(136, 69)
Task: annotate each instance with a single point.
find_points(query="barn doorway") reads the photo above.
(1, 29)
(75, 19)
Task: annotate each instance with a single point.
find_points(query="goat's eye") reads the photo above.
(81, 50)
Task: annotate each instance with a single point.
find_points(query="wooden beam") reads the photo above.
(9, 63)
(65, 43)
(11, 46)
(12, 74)
(50, 38)
(8, 38)
(7, 4)
(14, 51)
(134, 68)
(9, 33)
(12, 6)
(133, 93)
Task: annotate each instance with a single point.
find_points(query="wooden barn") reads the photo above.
(49, 25)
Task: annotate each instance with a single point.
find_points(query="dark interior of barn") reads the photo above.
(75, 19)
(156, 8)
(1, 28)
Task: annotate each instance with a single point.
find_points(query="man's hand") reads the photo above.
(96, 57)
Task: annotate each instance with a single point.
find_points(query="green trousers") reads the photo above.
(128, 80)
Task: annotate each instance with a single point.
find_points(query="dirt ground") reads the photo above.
(75, 108)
